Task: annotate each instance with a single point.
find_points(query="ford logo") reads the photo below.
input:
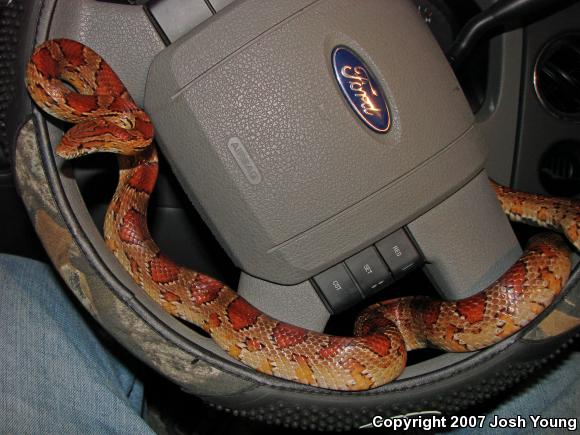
(361, 89)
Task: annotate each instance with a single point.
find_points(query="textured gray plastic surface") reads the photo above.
(177, 17)
(498, 118)
(298, 304)
(467, 240)
(322, 186)
(122, 34)
(220, 4)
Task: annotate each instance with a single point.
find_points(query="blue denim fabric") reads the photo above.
(55, 375)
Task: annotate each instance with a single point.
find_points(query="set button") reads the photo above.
(369, 271)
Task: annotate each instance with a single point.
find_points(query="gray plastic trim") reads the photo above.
(467, 241)
(220, 4)
(298, 304)
(177, 17)
(498, 118)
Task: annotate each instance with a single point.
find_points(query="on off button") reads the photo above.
(338, 288)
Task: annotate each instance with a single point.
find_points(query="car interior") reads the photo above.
(276, 181)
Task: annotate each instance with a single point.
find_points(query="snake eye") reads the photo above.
(127, 121)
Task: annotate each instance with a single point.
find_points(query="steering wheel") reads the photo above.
(264, 113)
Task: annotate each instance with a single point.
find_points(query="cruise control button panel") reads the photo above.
(338, 288)
(369, 271)
(399, 253)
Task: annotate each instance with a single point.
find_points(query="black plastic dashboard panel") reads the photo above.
(17, 235)
(541, 130)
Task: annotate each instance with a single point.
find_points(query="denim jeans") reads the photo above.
(57, 377)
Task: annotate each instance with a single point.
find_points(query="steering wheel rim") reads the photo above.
(93, 265)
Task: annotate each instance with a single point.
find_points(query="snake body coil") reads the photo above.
(107, 120)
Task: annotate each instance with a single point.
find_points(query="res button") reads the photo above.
(369, 271)
(399, 253)
(338, 288)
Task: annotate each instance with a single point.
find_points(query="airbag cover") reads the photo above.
(288, 176)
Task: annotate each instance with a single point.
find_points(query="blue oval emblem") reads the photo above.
(361, 89)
